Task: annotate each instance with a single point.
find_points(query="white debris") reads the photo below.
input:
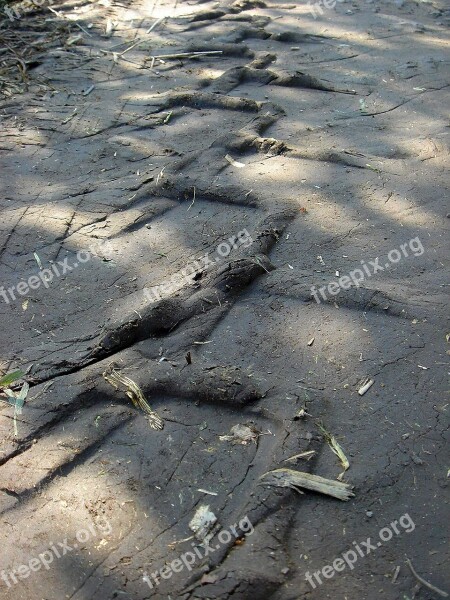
(202, 522)
(240, 434)
(233, 162)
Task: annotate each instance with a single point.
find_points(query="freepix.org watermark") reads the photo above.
(54, 552)
(316, 9)
(351, 557)
(191, 270)
(357, 276)
(188, 559)
(46, 276)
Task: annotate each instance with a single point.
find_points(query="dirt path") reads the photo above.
(248, 235)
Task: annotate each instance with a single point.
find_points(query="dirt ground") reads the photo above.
(178, 218)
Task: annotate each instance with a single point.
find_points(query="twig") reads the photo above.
(70, 117)
(307, 455)
(297, 480)
(160, 174)
(396, 572)
(193, 200)
(116, 46)
(89, 90)
(139, 41)
(55, 12)
(155, 24)
(187, 54)
(83, 29)
(425, 583)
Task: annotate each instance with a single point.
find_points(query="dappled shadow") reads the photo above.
(165, 161)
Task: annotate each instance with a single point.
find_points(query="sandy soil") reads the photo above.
(171, 217)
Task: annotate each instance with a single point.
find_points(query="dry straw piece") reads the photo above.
(133, 391)
(297, 480)
(336, 448)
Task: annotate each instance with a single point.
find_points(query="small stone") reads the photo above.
(285, 571)
(369, 513)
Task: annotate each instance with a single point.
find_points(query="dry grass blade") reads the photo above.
(307, 455)
(336, 448)
(133, 391)
(17, 400)
(297, 480)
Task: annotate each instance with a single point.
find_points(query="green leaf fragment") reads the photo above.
(9, 378)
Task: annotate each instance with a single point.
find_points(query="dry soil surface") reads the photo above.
(318, 145)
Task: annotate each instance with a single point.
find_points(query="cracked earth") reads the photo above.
(326, 140)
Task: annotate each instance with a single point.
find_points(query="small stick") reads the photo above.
(155, 24)
(55, 12)
(206, 492)
(139, 41)
(193, 200)
(83, 29)
(306, 455)
(117, 45)
(173, 544)
(424, 582)
(70, 117)
(89, 90)
(396, 572)
(188, 54)
(160, 174)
